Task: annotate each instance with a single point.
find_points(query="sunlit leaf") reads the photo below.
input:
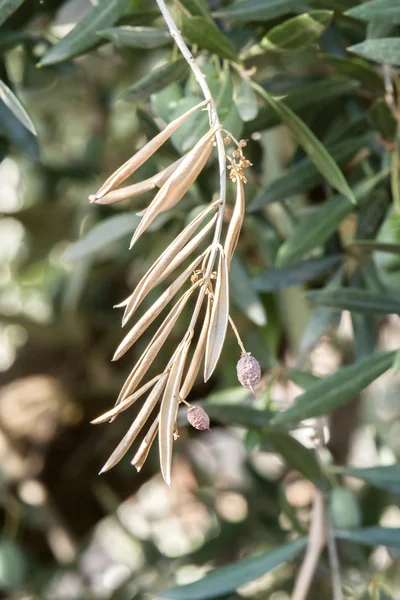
(297, 33)
(385, 50)
(337, 389)
(385, 11)
(227, 579)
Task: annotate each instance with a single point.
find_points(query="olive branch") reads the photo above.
(207, 273)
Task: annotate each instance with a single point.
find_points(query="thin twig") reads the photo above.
(215, 122)
(337, 593)
(316, 542)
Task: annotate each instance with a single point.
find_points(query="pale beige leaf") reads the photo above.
(137, 425)
(219, 318)
(235, 225)
(168, 412)
(152, 313)
(143, 154)
(177, 185)
(154, 346)
(130, 191)
(144, 448)
(114, 412)
(198, 355)
(171, 258)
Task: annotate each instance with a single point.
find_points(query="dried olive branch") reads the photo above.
(214, 122)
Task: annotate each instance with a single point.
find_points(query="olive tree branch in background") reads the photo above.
(214, 122)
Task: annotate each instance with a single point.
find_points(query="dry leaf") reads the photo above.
(140, 457)
(143, 154)
(168, 412)
(178, 184)
(153, 312)
(219, 318)
(137, 424)
(198, 354)
(171, 258)
(235, 225)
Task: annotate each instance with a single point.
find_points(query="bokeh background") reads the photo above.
(68, 532)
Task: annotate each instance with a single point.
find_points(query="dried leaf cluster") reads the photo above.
(172, 386)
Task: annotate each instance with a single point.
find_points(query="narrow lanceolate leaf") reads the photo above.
(258, 10)
(319, 227)
(168, 412)
(246, 101)
(243, 295)
(137, 425)
(314, 148)
(236, 222)
(177, 185)
(297, 456)
(297, 33)
(114, 412)
(372, 536)
(140, 457)
(198, 355)
(156, 80)
(171, 258)
(384, 50)
(143, 154)
(197, 8)
(152, 313)
(101, 235)
(12, 102)
(7, 8)
(130, 191)
(385, 477)
(337, 389)
(153, 348)
(299, 272)
(137, 37)
(227, 579)
(356, 300)
(219, 318)
(203, 33)
(84, 34)
(382, 11)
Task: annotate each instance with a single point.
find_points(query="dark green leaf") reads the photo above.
(385, 50)
(311, 145)
(274, 279)
(227, 579)
(372, 536)
(258, 10)
(235, 414)
(319, 227)
(297, 456)
(137, 37)
(303, 379)
(305, 96)
(197, 8)
(243, 294)
(12, 128)
(156, 80)
(383, 119)
(207, 36)
(357, 68)
(356, 300)
(12, 102)
(297, 33)
(246, 101)
(386, 477)
(303, 175)
(101, 235)
(7, 8)
(385, 11)
(337, 389)
(85, 34)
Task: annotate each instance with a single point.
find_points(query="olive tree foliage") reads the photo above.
(310, 92)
